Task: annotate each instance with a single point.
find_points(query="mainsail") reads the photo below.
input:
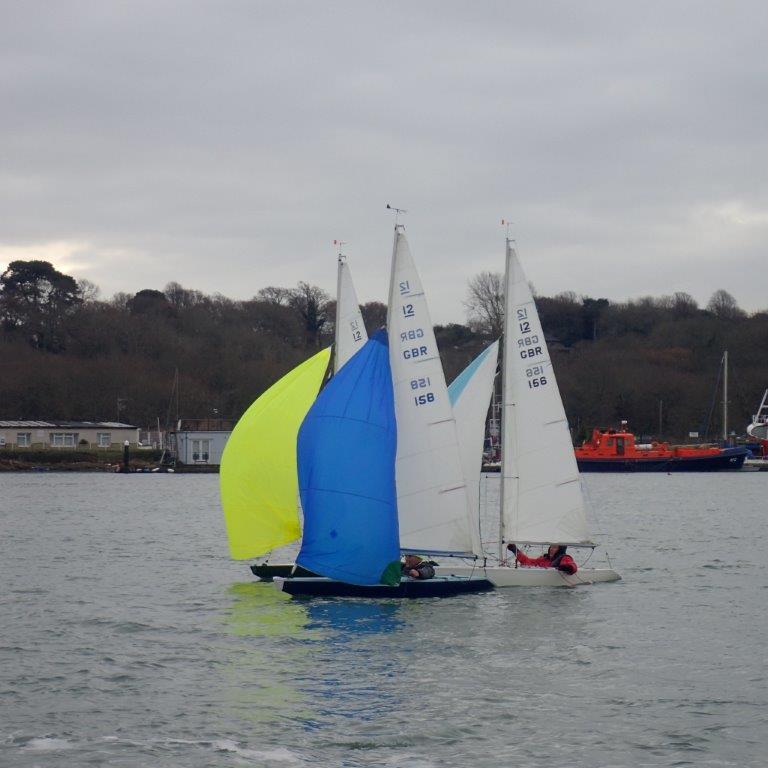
(541, 493)
(350, 329)
(470, 394)
(346, 450)
(259, 489)
(432, 500)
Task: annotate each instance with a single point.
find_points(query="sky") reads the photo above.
(225, 145)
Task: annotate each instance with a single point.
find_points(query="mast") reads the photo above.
(337, 324)
(507, 412)
(725, 397)
(398, 228)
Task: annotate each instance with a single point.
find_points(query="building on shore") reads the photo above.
(67, 434)
(200, 442)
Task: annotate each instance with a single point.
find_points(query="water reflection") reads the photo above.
(351, 619)
(257, 609)
(310, 661)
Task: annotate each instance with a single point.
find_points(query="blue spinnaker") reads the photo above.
(460, 382)
(346, 459)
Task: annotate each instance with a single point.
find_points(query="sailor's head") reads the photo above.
(411, 561)
(555, 550)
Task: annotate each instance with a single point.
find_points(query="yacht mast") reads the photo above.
(507, 407)
(725, 397)
(340, 265)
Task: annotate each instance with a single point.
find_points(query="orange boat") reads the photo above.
(616, 450)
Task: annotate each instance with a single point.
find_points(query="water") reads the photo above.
(128, 638)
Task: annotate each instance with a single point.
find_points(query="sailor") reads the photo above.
(554, 558)
(417, 568)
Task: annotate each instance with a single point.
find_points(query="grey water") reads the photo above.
(129, 638)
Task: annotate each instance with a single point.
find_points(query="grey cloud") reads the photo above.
(225, 145)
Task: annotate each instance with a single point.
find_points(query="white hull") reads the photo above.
(507, 576)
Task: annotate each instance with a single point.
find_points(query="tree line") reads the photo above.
(68, 354)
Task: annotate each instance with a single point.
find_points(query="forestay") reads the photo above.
(541, 491)
(346, 451)
(350, 329)
(431, 492)
(259, 489)
(470, 395)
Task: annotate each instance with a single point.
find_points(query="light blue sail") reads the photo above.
(460, 382)
(346, 459)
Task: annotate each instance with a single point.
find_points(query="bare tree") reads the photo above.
(311, 303)
(724, 306)
(485, 303)
(88, 291)
(683, 304)
(274, 294)
(182, 298)
(374, 315)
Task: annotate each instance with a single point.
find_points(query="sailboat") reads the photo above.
(258, 475)
(541, 496)
(431, 504)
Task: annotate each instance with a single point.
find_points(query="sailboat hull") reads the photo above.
(445, 586)
(506, 576)
(266, 572)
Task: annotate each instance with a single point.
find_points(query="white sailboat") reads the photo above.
(541, 497)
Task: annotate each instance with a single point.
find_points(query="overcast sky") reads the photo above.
(225, 145)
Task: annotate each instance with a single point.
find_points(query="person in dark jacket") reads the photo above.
(417, 568)
(555, 557)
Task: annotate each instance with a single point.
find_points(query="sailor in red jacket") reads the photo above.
(555, 558)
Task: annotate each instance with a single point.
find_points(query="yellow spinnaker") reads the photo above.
(259, 480)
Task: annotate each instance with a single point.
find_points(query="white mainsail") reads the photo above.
(470, 395)
(350, 332)
(541, 495)
(433, 507)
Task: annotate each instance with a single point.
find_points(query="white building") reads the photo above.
(66, 434)
(201, 441)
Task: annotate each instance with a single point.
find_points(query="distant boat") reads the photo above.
(616, 450)
(758, 429)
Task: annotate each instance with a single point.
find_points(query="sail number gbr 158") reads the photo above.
(422, 398)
